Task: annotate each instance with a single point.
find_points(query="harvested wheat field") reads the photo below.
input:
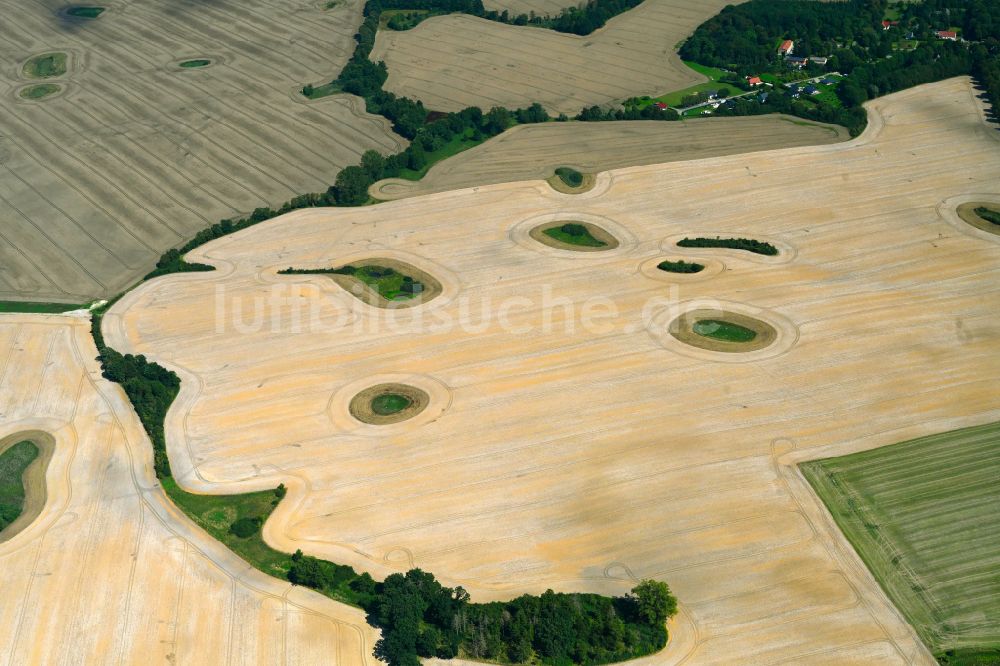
(573, 443)
(530, 152)
(134, 154)
(110, 572)
(451, 62)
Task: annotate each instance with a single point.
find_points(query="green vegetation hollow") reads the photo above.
(386, 404)
(575, 236)
(39, 91)
(982, 216)
(722, 331)
(194, 64)
(45, 66)
(390, 403)
(680, 266)
(746, 244)
(14, 463)
(380, 282)
(85, 11)
(922, 515)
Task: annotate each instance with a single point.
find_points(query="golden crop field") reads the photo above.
(569, 441)
(111, 572)
(529, 152)
(134, 153)
(451, 62)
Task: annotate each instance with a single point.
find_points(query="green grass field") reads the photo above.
(37, 308)
(13, 462)
(217, 513)
(390, 284)
(674, 98)
(723, 330)
(923, 515)
(390, 403)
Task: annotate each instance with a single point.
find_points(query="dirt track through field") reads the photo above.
(531, 152)
(580, 456)
(137, 154)
(451, 62)
(110, 572)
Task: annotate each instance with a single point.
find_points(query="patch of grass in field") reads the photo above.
(726, 331)
(574, 234)
(674, 98)
(571, 177)
(988, 214)
(37, 308)
(216, 514)
(197, 62)
(13, 462)
(454, 147)
(680, 266)
(316, 92)
(389, 283)
(390, 403)
(45, 66)
(923, 516)
(85, 11)
(40, 91)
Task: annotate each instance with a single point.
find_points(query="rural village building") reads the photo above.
(786, 47)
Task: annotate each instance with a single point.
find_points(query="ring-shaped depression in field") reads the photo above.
(351, 408)
(693, 329)
(530, 233)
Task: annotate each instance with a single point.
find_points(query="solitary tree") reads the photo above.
(654, 602)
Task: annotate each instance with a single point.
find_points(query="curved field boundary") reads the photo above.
(532, 152)
(110, 569)
(451, 62)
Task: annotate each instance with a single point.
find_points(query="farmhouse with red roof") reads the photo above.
(786, 47)
(754, 80)
(947, 34)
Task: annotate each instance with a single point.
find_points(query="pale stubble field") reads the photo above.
(579, 459)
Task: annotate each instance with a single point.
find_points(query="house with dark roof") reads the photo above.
(811, 90)
(797, 62)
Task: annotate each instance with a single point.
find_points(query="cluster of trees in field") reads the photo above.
(748, 244)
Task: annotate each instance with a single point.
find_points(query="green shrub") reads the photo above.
(245, 527)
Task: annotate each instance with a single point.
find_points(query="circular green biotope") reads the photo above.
(385, 404)
(84, 11)
(197, 62)
(40, 91)
(726, 331)
(388, 404)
